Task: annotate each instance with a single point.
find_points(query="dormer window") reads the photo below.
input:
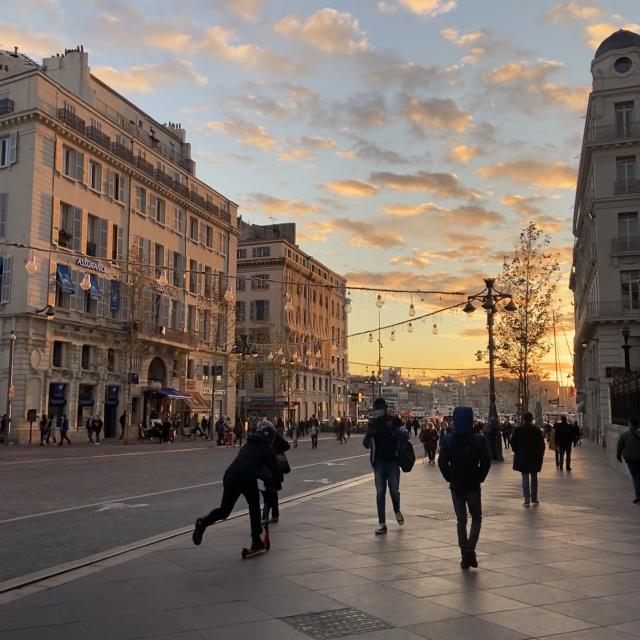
(622, 65)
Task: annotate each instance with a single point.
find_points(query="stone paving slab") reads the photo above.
(568, 569)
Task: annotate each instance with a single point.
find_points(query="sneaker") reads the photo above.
(636, 501)
(257, 545)
(382, 529)
(399, 518)
(274, 520)
(526, 503)
(535, 501)
(198, 532)
(568, 468)
(473, 560)
(464, 562)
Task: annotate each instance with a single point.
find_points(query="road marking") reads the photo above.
(150, 494)
(121, 505)
(322, 481)
(336, 464)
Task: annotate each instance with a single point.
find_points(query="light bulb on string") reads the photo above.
(163, 281)
(270, 356)
(412, 310)
(280, 351)
(288, 305)
(85, 284)
(434, 330)
(379, 302)
(392, 337)
(410, 327)
(347, 306)
(31, 265)
(283, 362)
(229, 295)
(318, 354)
(370, 337)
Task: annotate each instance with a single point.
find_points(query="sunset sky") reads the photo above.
(410, 140)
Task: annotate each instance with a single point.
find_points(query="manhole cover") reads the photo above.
(336, 623)
(452, 516)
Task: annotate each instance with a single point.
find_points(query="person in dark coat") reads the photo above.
(565, 438)
(280, 446)
(528, 447)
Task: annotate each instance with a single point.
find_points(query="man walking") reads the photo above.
(565, 437)
(64, 430)
(527, 443)
(629, 449)
(313, 431)
(464, 462)
(383, 436)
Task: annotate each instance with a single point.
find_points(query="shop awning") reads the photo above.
(63, 275)
(114, 301)
(94, 291)
(173, 394)
(197, 403)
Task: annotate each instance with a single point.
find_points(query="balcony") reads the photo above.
(72, 120)
(611, 310)
(626, 187)
(615, 133)
(93, 133)
(165, 179)
(122, 151)
(145, 166)
(6, 106)
(153, 331)
(625, 245)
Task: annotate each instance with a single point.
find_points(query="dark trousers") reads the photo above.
(430, 450)
(387, 474)
(230, 494)
(51, 434)
(561, 451)
(271, 506)
(530, 486)
(462, 500)
(314, 441)
(634, 470)
(63, 437)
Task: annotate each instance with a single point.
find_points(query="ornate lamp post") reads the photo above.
(489, 299)
(626, 347)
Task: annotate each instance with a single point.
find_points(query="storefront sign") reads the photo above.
(219, 392)
(89, 264)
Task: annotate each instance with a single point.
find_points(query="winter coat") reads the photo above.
(429, 437)
(629, 446)
(564, 433)
(527, 443)
(255, 461)
(383, 436)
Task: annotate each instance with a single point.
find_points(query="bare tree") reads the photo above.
(531, 275)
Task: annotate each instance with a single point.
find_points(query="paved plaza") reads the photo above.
(568, 569)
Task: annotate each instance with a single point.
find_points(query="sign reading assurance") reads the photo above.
(89, 264)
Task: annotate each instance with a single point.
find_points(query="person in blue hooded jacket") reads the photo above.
(464, 462)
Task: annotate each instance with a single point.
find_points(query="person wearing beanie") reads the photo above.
(527, 443)
(464, 462)
(383, 436)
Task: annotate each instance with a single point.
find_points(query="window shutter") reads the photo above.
(59, 152)
(7, 268)
(111, 184)
(4, 214)
(100, 306)
(55, 220)
(146, 251)
(121, 188)
(80, 166)
(13, 147)
(77, 229)
(252, 311)
(164, 311)
(151, 206)
(266, 310)
(102, 238)
(181, 316)
(120, 250)
(125, 310)
(77, 292)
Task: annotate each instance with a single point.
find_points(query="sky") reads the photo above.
(410, 140)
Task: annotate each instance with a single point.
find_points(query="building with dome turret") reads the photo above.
(605, 276)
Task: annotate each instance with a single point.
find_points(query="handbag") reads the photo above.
(283, 463)
(406, 456)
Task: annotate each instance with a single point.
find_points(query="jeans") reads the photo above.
(472, 499)
(634, 470)
(271, 506)
(560, 453)
(314, 442)
(63, 437)
(530, 486)
(386, 473)
(230, 494)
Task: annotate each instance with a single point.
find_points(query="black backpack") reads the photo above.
(406, 456)
(464, 456)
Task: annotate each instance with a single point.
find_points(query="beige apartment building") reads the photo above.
(291, 328)
(605, 277)
(115, 257)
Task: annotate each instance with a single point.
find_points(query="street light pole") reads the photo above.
(10, 389)
(626, 348)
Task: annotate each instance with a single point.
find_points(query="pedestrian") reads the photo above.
(4, 426)
(313, 431)
(42, 425)
(220, 431)
(429, 439)
(507, 430)
(123, 422)
(340, 429)
(348, 425)
(629, 449)
(565, 437)
(64, 430)
(464, 462)
(97, 428)
(527, 443)
(271, 512)
(383, 436)
(51, 430)
(89, 426)
(295, 433)
(255, 461)
(238, 432)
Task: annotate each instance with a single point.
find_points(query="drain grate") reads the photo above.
(336, 623)
(452, 516)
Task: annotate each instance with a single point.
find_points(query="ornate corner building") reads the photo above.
(130, 258)
(605, 276)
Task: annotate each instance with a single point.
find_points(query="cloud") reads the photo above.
(367, 234)
(263, 105)
(29, 42)
(464, 215)
(315, 142)
(417, 259)
(479, 44)
(150, 78)
(168, 39)
(292, 154)
(352, 188)
(445, 185)
(248, 133)
(246, 9)
(409, 279)
(523, 71)
(428, 8)
(436, 113)
(327, 30)
(388, 69)
(527, 207)
(544, 175)
(281, 206)
(571, 11)
(596, 33)
(372, 152)
(460, 238)
(363, 110)
(462, 153)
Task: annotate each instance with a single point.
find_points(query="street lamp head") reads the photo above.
(30, 264)
(370, 337)
(229, 295)
(511, 306)
(584, 344)
(625, 333)
(379, 302)
(49, 311)
(469, 308)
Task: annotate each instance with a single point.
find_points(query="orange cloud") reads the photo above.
(248, 133)
(466, 214)
(596, 33)
(37, 44)
(436, 113)
(572, 11)
(445, 185)
(523, 71)
(352, 188)
(281, 206)
(428, 8)
(551, 175)
(462, 154)
(368, 234)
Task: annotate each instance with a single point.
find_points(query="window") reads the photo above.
(191, 368)
(95, 175)
(72, 163)
(157, 209)
(96, 246)
(208, 236)
(260, 281)
(193, 229)
(158, 259)
(178, 219)
(241, 311)
(116, 242)
(179, 266)
(85, 359)
(222, 244)
(70, 232)
(115, 185)
(629, 285)
(193, 276)
(141, 200)
(622, 65)
(205, 372)
(625, 175)
(57, 353)
(242, 253)
(624, 119)
(259, 310)
(241, 284)
(191, 318)
(258, 380)
(8, 149)
(208, 282)
(261, 252)
(111, 360)
(6, 269)
(628, 226)
(4, 215)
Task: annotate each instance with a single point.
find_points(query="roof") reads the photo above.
(621, 39)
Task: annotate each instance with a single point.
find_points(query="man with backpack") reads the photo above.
(464, 462)
(384, 435)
